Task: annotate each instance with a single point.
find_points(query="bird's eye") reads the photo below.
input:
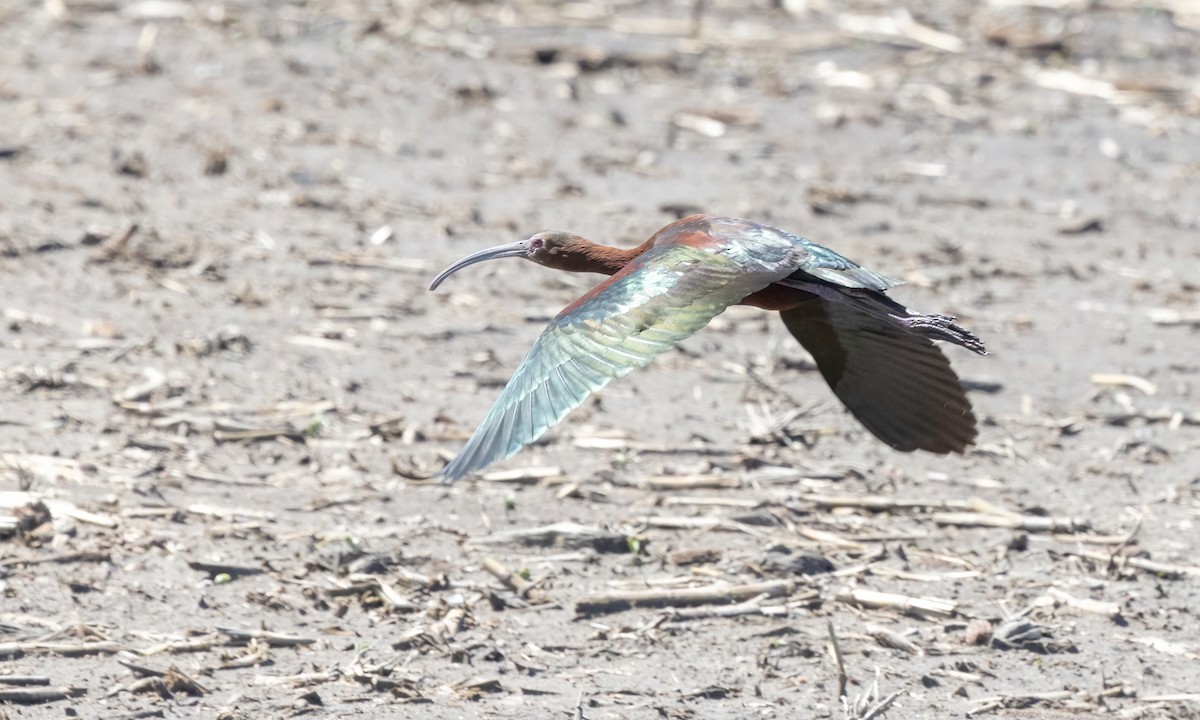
(535, 244)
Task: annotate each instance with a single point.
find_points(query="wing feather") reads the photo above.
(668, 293)
(897, 383)
(827, 265)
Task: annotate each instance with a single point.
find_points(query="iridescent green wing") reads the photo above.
(831, 267)
(668, 293)
(811, 261)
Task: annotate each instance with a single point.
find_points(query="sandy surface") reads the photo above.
(221, 373)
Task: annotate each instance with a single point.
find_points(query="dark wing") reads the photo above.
(898, 384)
(668, 293)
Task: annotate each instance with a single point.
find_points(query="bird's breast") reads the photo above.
(778, 298)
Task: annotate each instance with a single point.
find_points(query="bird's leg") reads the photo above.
(932, 326)
(943, 327)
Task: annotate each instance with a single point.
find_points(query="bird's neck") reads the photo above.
(590, 257)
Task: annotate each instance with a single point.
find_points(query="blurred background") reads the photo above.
(218, 222)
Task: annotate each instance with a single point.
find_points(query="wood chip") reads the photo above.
(899, 26)
(518, 584)
(1168, 316)
(562, 535)
(1028, 523)
(715, 594)
(37, 696)
(1118, 380)
(923, 607)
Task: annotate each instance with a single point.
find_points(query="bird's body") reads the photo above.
(876, 354)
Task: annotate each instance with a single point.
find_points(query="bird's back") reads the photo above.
(767, 249)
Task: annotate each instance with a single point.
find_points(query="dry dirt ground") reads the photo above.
(222, 377)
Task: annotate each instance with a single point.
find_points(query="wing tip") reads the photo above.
(944, 438)
(466, 462)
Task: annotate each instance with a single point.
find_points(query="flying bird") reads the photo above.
(877, 355)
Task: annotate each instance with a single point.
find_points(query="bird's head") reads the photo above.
(552, 248)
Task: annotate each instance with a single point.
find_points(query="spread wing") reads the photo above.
(897, 383)
(668, 293)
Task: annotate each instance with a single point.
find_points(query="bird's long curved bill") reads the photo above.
(517, 249)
